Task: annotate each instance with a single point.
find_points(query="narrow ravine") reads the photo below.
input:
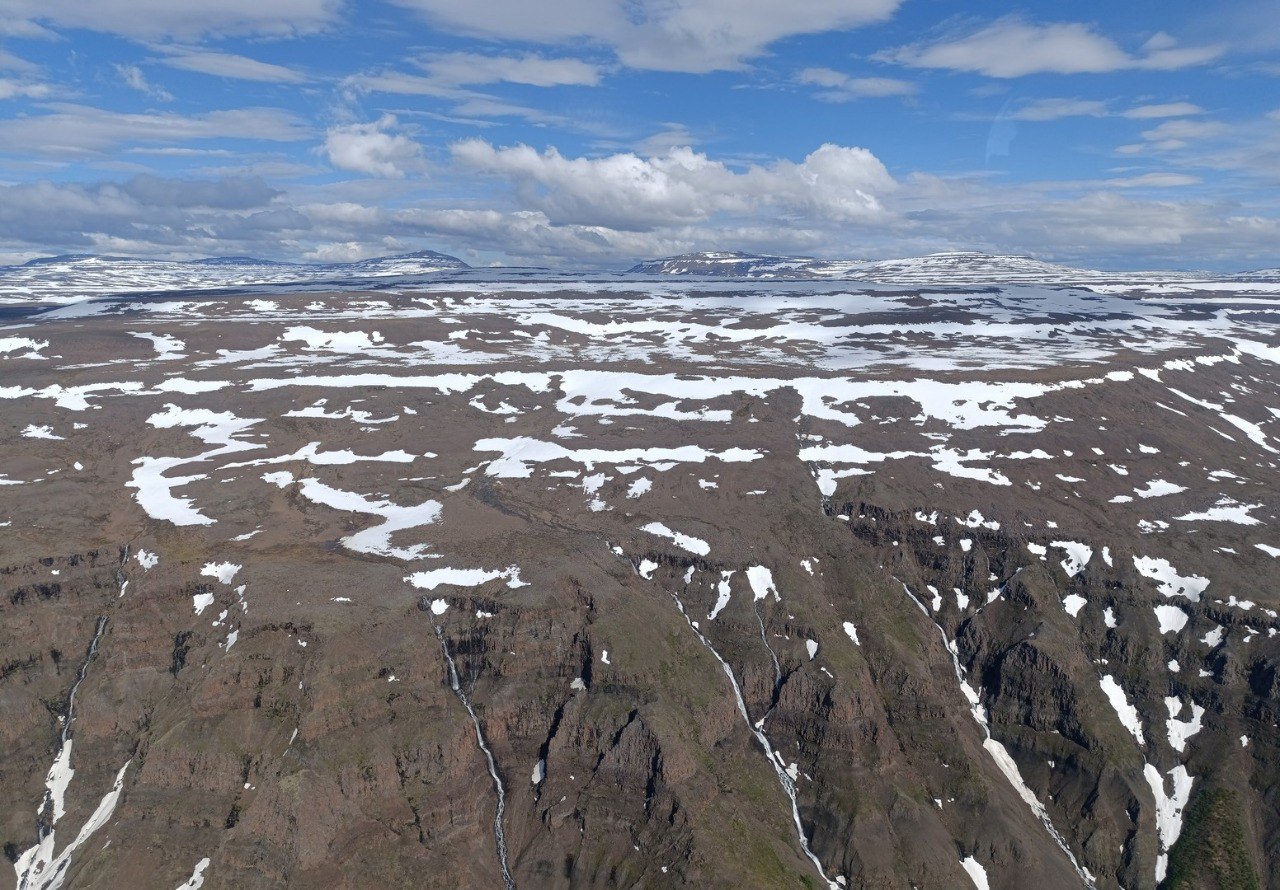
(498, 833)
(1003, 760)
(785, 780)
(777, 667)
(61, 772)
(80, 675)
(38, 866)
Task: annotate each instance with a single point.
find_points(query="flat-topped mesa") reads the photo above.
(727, 263)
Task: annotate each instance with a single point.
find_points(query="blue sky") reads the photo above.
(593, 132)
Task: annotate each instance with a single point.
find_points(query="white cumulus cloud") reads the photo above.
(626, 191)
(373, 149)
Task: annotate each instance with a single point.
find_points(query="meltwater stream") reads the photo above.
(498, 834)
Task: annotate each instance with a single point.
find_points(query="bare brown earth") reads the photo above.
(294, 722)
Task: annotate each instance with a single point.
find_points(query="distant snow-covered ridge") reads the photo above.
(70, 279)
(938, 268)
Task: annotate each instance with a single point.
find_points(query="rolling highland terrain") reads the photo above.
(729, 571)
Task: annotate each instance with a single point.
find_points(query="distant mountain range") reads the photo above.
(72, 278)
(75, 277)
(937, 268)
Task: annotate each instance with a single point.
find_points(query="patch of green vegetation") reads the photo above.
(899, 625)
(760, 793)
(763, 868)
(1211, 851)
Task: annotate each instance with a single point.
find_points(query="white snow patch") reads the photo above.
(1169, 807)
(13, 344)
(973, 520)
(1170, 582)
(722, 598)
(973, 868)
(333, 341)
(1157, 488)
(155, 494)
(196, 881)
(1127, 713)
(683, 541)
(1181, 730)
(40, 432)
(166, 345)
(433, 578)
(1172, 619)
(376, 540)
(1078, 556)
(518, 454)
(761, 581)
(1225, 510)
(38, 867)
(223, 571)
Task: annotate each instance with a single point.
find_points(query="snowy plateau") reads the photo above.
(723, 571)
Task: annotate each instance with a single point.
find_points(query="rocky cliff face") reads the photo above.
(593, 588)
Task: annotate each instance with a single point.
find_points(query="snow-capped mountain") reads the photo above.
(71, 278)
(1258, 275)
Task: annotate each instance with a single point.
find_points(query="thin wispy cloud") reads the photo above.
(836, 86)
(1052, 109)
(133, 77)
(475, 69)
(1012, 47)
(230, 65)
(154, 19)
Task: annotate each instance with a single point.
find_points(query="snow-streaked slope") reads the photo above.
(69, 279)
(938, 268)
(735, 264)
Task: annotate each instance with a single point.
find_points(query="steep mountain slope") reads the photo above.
(619, 584)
